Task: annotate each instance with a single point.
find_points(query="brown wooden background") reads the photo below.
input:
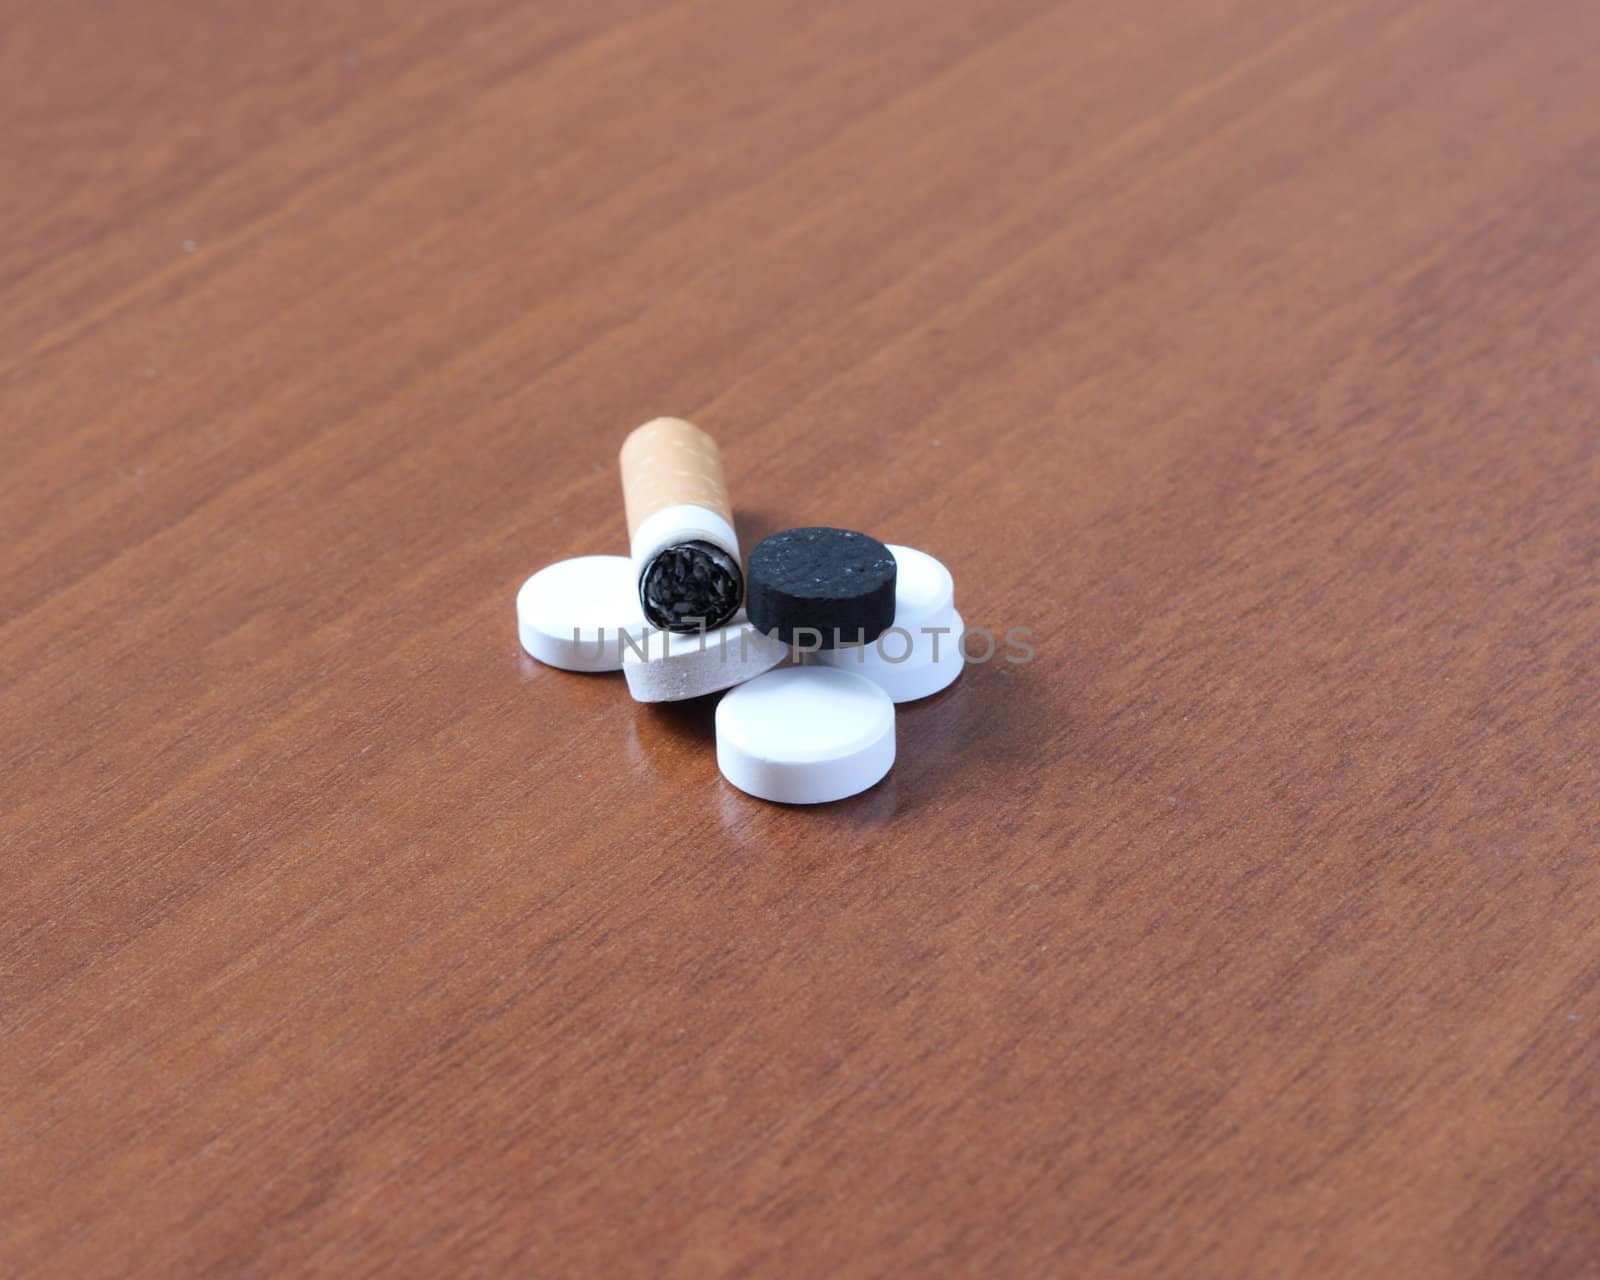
(1246, 350)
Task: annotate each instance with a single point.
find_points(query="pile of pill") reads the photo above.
(814, 639)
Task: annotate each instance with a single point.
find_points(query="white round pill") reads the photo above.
(908, 664)
(572, 614)
(670, 666)
(921, 653)
(805, 735)
(923, 587)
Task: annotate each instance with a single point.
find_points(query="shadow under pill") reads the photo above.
(874, 807)
(693, 719)
(664, 736)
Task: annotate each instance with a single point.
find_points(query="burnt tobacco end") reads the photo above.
(691, 586)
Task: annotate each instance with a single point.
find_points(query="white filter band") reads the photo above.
(675, 525)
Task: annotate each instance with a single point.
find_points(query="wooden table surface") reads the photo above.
(1247, 351)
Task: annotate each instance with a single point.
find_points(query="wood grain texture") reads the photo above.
(1246, 350)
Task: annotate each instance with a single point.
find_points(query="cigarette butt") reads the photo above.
(680, 526)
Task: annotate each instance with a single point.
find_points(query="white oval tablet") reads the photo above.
(671, 666)
(572, 614)
(805, 735)
(921, 653)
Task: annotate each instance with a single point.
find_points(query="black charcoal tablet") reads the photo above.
(832, 582)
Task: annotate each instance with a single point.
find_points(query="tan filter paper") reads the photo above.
(670, 461)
